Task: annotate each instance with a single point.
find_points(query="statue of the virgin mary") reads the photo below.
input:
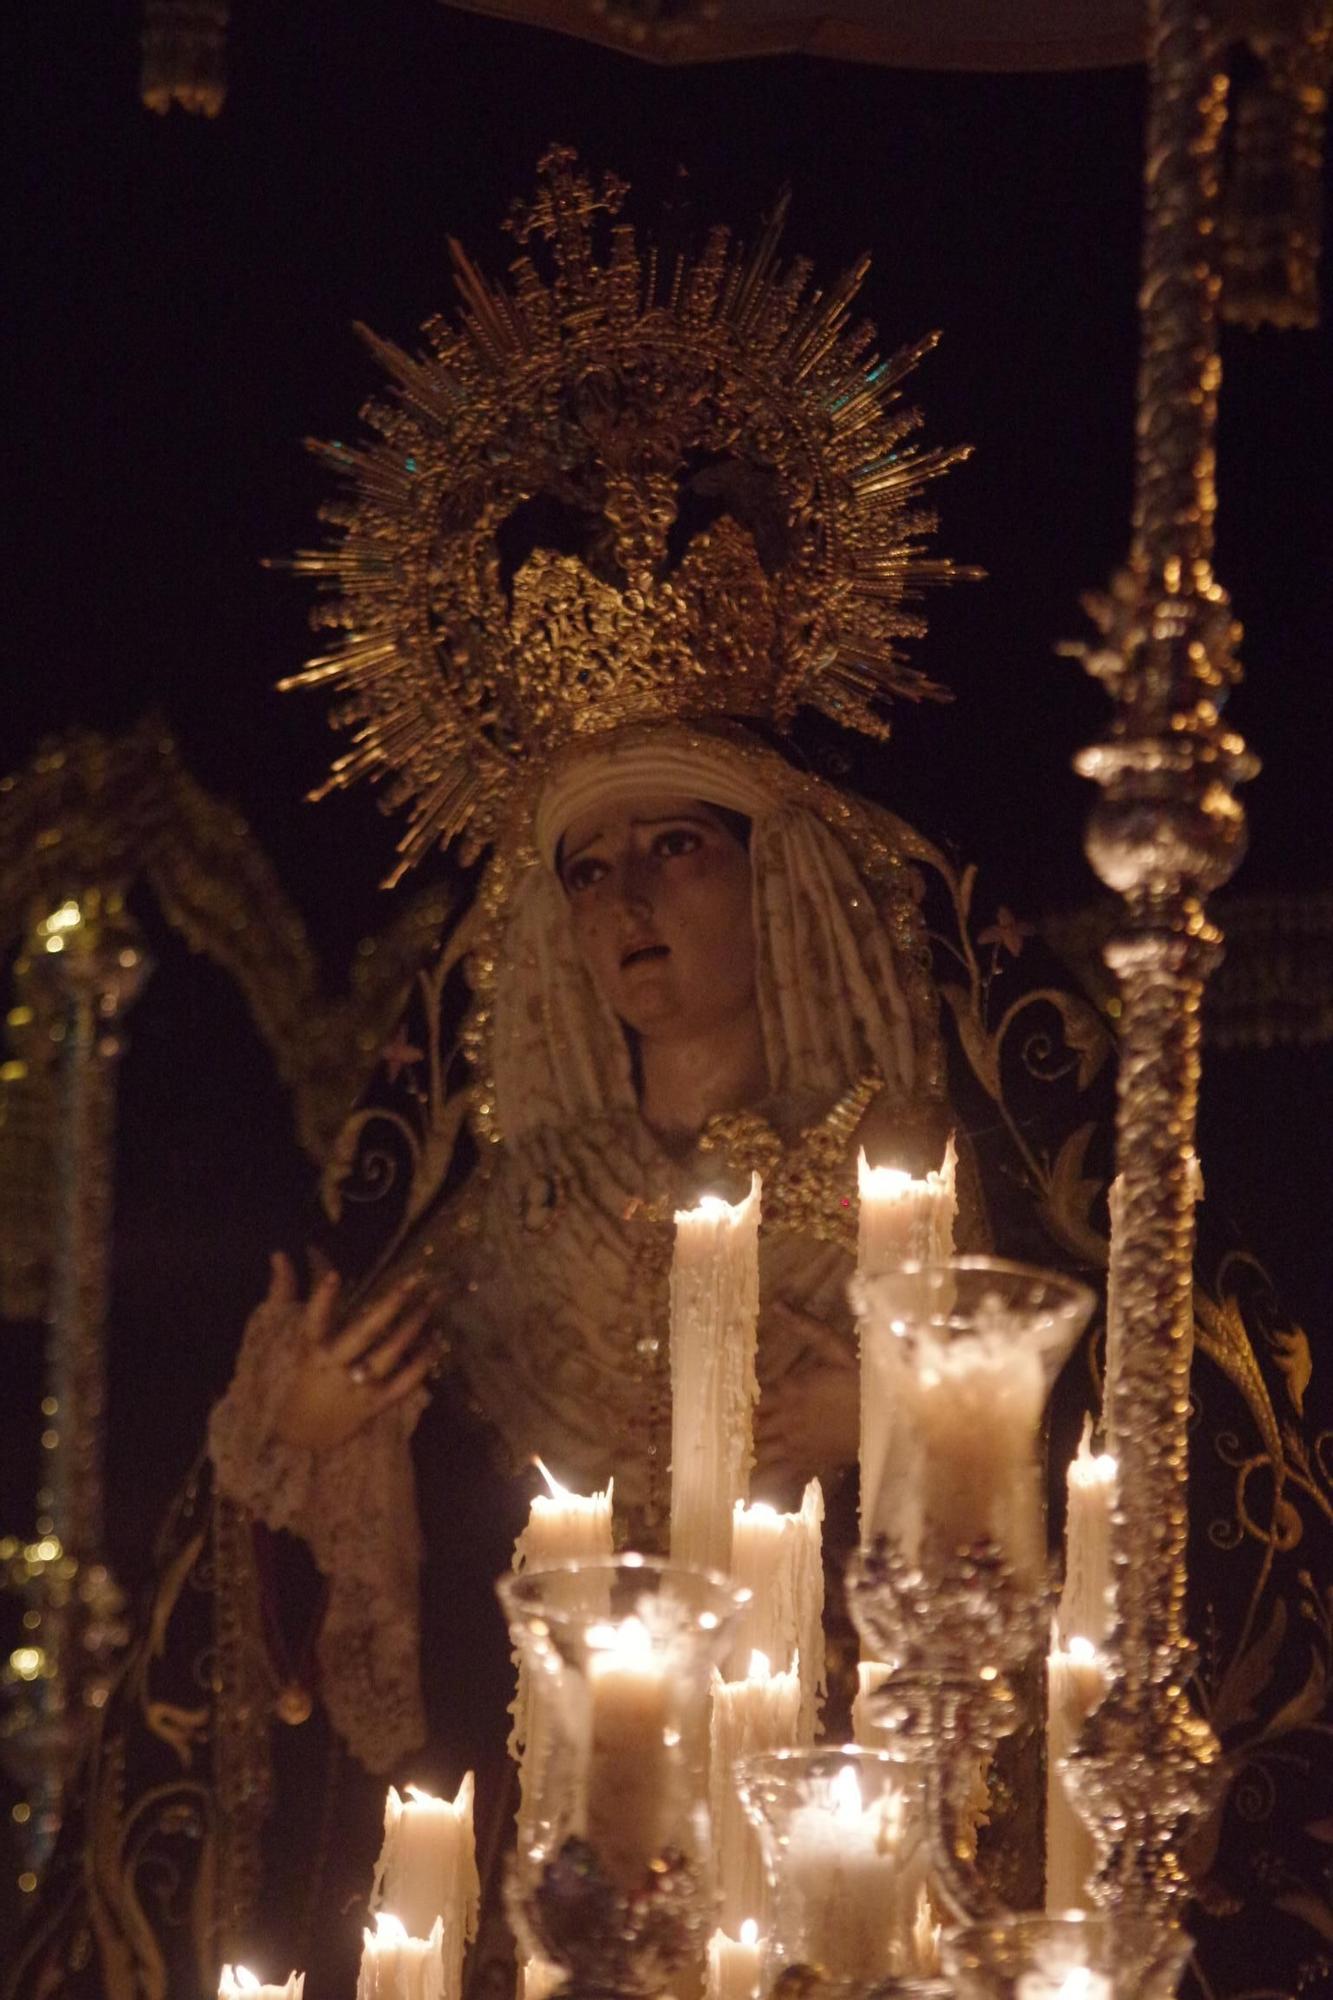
(615, 531)
(611, 533)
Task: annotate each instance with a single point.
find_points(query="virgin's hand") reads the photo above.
(808, 1424)
(347, 1375)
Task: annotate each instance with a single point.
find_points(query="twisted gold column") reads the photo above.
(1166, 832)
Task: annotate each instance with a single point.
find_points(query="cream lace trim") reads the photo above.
(355, 1507)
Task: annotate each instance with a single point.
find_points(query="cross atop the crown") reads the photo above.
(563, 207)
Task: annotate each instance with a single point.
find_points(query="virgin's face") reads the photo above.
(659, 893)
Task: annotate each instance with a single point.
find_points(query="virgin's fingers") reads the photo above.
(281, 1280)
(380, 1361)
(408, 1378)
(320, 1308)
(368, 1328)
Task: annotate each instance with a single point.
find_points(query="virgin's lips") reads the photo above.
(647, 948)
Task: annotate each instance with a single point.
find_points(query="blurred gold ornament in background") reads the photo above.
(184, 44)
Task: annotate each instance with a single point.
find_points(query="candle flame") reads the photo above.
(624, 1645)
(553, 1486)
(896, 1183)
(715, 1207)
(926, 1935)
(750, 1932)
(239, 1979)
(1081, 1649)
(461, 1802)
(761, 1667)
(846, 1793)
(565, 1496)
(1091, 1468)
(389, 1929)
(888, 1183)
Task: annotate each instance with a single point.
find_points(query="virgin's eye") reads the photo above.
(675, 840)
(585, 873)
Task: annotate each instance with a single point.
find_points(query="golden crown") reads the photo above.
(627, 485)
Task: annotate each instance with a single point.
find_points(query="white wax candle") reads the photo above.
(851, 1878)
(905, 1219)
(735, 1964)
(562, 1527)
(565, 1527)
(960, 1424)
(780, 1560)
(428, 1869)
(1076, 1682)
(714, 1322)
(1086, 1602)
(395, 1966)
(239, 1983)
(900, 1219)
(629, 1773)
(760, 1712)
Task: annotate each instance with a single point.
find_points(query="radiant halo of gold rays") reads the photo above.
(627, 484)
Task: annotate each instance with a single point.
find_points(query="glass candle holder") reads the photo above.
(1073, 1957)
(843, 1835)
(613, 1882)
(962, 1356)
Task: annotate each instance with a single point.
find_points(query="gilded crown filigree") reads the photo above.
(624, 485)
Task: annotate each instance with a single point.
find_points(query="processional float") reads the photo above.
(1165, 834)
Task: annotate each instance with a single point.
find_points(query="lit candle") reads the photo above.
(959, 1426)
(395, 1966)
(854, 1876)
(1076, 1683)
(562, 1527)
(780, 1560)
(1086, 1603)
(714, 1321)
(239, 1983)
(734, 1965)
(760, 1712)
(900, 1220)
(629, 1770)
(427, 1870)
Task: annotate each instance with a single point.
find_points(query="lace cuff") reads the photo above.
(355, 1508)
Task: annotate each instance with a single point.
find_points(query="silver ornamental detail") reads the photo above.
(1166, 832)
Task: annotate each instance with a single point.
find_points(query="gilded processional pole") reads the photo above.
(1166, 832)
(94, 956)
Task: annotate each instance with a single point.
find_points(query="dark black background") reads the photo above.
(180, 300)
